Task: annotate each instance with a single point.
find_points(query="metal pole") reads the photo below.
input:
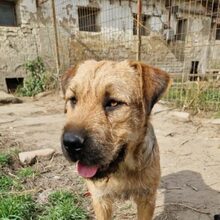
(170, 12)
(139, 20)
(56, 37)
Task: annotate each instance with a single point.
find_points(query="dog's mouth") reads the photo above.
(96, 171)
(86, 171)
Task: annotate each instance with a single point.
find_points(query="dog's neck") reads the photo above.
(150, 141)
(143, 151)
(133, 165)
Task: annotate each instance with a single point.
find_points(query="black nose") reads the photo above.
(217, 217)
(72, 142)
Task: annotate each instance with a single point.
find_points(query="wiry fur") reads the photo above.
(140, 86)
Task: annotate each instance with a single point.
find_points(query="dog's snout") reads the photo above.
(73, 142)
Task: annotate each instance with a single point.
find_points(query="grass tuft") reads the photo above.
(216, 114)
(9, 183)
(5, 159)
(6, 182)
(17, 207)
(61, 206)
(26, 172)
(195, 96)
(16, 204)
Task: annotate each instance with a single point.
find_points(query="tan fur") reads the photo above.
(140, 86)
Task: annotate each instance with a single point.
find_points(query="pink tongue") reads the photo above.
(86, 171)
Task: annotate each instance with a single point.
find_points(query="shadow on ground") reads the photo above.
(187, 197)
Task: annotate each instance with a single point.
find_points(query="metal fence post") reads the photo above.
(139, 20)
(56, 37)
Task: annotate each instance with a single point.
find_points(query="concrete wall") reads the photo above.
(18, 44)
(115, 39)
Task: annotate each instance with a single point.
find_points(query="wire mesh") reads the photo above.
(181, 37)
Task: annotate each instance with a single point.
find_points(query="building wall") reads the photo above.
(34, 36)
(115, 39)
(18, 44)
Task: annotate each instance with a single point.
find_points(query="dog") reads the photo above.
(108, 131)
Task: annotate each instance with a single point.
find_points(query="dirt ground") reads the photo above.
(190, 158)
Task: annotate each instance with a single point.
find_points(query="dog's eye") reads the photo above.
(73, 100)
(112, 104)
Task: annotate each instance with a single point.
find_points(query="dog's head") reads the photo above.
(107, 104)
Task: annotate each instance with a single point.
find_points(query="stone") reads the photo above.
(57, 177)
(181, 116)
(43, 94)
(6, 98)
(29, 157)
(43, 196)
(215, 121)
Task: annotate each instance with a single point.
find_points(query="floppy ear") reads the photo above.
(154, 83)
(67, 76)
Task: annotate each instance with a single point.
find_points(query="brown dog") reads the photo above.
(108, 132)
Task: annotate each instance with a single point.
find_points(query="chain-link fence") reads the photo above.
(181, 37)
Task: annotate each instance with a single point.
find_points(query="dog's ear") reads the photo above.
(154, 83)
(67, 76)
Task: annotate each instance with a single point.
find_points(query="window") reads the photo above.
(181, 29)
(217, 35)
(144, 27)
(88, 19)
(168, 3)
(40, 2)
(7, 13)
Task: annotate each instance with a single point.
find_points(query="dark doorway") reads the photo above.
(13, 83)
(194, 71)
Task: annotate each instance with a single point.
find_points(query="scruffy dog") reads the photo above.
(108, 133)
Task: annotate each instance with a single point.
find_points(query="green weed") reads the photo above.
(16, 207)
(16, 204)
(25, 172)
(62, 206)
(195, 96)
(6, 182)
(37, 80)
(5, 159)
(216, 114)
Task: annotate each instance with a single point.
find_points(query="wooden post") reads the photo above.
(56, 37)
(139, 20)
